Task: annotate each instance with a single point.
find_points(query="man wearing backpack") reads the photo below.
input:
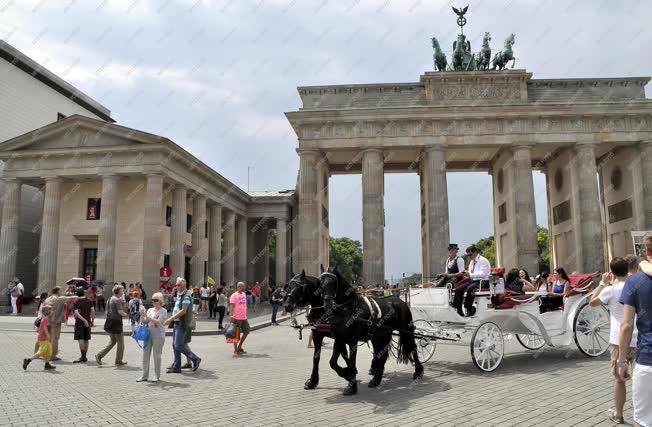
(182, 321)
(637, 303)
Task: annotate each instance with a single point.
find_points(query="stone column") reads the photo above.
(107, 230)
(436, 207)
(215, 243)
(525, 223)
(281, 252)
(9, 231)
(178, 231)
(309, 228)
(198, 248)
(48, 249)
(228, 252)
(373, 217)
(152, 227)
(590, 224)
(242, 259)
(646, 168)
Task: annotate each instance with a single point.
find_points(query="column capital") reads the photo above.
(646, 143)
(308, 152)
(522, 146)
(10, 180)
(435, 147)
(372, 150)
(51, 178)
(109, 176)
(153, 174)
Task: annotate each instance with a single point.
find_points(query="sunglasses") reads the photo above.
(156, 300)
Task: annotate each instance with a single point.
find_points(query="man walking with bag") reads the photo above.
(115, 311)
(182, 321)
(239, 316)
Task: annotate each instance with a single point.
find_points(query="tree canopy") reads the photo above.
(346, 254)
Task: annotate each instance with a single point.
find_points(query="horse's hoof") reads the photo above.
(418, 375)
(372, 372)
(310, 385)
(351, 389)
(374, 383)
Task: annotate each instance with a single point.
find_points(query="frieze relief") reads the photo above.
(468, 127)
(446, 92)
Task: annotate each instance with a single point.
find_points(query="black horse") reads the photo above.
(303, 291)
(356, 319)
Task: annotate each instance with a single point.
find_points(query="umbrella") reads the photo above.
(78, 282)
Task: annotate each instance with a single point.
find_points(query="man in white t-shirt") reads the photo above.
(608, 293)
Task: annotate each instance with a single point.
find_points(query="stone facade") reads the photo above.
(157, 205)
(505, 123)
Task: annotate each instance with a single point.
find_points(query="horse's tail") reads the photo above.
(406, 342)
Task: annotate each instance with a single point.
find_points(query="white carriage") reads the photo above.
(576, 322)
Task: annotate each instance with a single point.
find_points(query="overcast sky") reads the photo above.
(217, 76)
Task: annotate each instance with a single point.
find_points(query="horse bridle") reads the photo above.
(337, 290)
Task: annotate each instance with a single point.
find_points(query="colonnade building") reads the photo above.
(591, 137)
(83, 196)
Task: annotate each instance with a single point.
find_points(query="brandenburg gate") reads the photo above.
(591, 137)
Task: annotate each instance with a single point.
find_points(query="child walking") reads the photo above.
(43, 340)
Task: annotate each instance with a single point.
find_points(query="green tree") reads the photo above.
(543, 248)
(487, 248)
(346, 254)
(414, 278)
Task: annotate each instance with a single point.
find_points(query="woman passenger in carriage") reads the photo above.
(525, 279)
(560, 287)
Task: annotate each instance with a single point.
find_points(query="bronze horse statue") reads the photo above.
(484, 56)
(439, 56)
(504, 56)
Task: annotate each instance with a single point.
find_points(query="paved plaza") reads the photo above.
(553, 387)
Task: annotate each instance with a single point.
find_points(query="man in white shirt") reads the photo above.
(608, 293)
(479, 269)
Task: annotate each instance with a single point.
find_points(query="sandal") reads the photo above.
(611, 414)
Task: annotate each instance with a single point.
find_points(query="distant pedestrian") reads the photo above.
(239, 317)
(608, 293)
(115, 311)
(196, 300)
(99, 297)
(16, 291)
(212, 302)
(136, 309)
(204, 293)
(277, 301)
(637, 303)
(43, 339)
(155, 320)
(222, 306)
(58, 304)
(182, 321)
(84, 320)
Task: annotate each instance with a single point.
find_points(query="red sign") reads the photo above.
(165, 274)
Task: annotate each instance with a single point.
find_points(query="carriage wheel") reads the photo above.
(487, 347)
(591, 329)
(425, 345)
(531, 341)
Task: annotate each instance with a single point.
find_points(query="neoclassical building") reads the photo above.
(591, 137)
(83, 196)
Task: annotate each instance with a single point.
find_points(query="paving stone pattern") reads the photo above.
(265, 388)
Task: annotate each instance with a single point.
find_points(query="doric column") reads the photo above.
(646, 168)
(178, 231)
(373, 217)
(309, 229)
(107, 230)
(215, 243)
(198, 248)
(436, 207)
(9, 231)
(590, 221)
(281, 252)
(48, 249)
(241, 251)
(525, 223)
(152, 227)
(228, 252)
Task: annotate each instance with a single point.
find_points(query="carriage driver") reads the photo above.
(454, 264)
(479, 269)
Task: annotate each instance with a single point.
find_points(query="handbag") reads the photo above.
(108, 325)
(141, 333)
(230, 331)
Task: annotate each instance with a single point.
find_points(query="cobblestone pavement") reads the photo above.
(553, 387)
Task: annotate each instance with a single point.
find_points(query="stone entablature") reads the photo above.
(472, 88)
(539, 123)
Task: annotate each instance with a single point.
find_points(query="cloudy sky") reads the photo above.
(217, 76)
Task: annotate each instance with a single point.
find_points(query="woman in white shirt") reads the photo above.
(205, 292)
(154, 318)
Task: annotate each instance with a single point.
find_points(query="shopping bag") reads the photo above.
(235, 338)
(141, 333)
